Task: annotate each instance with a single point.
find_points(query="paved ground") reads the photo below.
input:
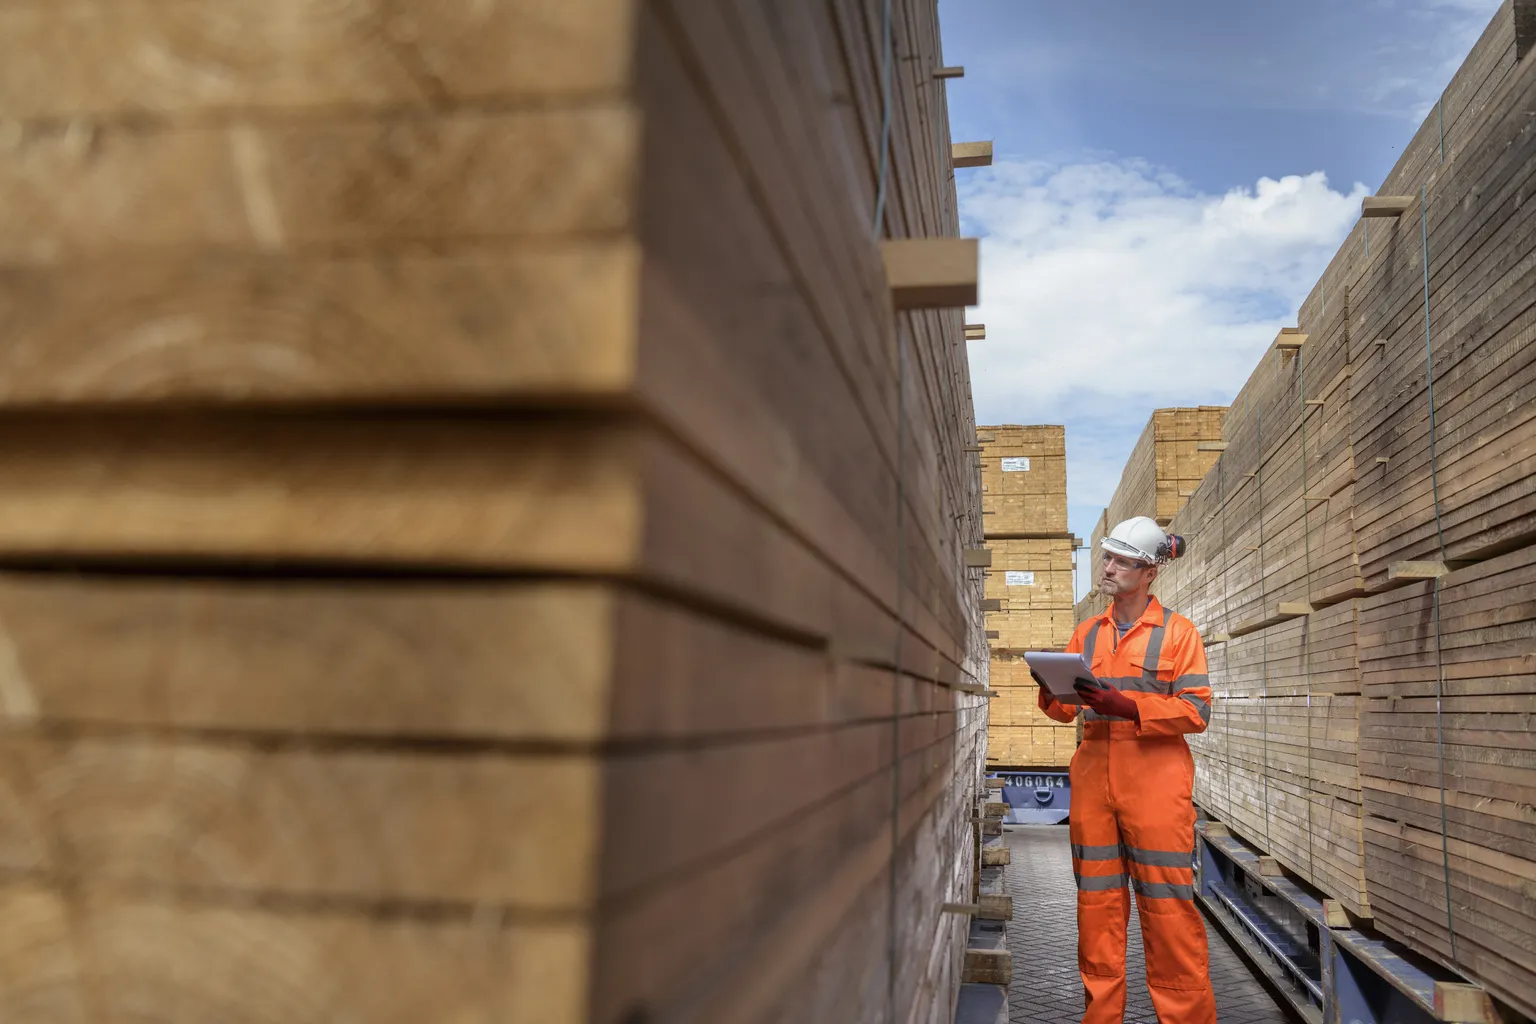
(1043, 939)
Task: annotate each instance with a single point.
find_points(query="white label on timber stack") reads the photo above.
(1016, 465)
(1019, 579)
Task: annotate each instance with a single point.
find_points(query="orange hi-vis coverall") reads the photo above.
(1133, 815)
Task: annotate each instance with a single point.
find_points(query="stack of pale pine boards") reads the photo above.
(1316, 543)
(479, 545)
(1029, 586)
(1175, 451)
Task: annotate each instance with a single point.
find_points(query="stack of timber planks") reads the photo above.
(1364, 553)
(1175, 451)
(1029, 585)
(478, 544)
(1171, 457)
(1024, 480)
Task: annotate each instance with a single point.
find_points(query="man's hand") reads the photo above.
(1106, 700)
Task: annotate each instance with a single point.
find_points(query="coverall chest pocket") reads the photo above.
(1150, 672)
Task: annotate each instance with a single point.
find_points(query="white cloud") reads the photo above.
(1112, 288)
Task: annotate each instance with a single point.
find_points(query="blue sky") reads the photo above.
(1169, 180)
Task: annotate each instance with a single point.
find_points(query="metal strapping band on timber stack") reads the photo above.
(1434, 478)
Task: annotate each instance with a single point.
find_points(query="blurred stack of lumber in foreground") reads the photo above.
(479, 544)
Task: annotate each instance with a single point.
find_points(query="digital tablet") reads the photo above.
(1059, 671)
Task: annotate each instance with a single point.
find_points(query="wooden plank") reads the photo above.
(1417, 570)
(529, 661)
(121, 58)
(320, 183)
(112, 951)
(1387, 206)
(949, 72)
(340, 825)
(972, 154)
(988, 966)
(931, 273)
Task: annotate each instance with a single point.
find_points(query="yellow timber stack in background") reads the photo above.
(1029, 586)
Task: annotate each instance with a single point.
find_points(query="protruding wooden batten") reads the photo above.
(1290, 339)
(932, 273)
(952, 72)
(1462, 1001)
(1421, 570)
(1386, 206)
(987, 967)
(1337, 916)
(993, 634)
(978, 558)
(971, 154)
(975, 332)
(991, 604)
(1210, 446)
(1284, 611)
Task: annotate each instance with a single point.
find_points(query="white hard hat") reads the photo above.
(1141, 538)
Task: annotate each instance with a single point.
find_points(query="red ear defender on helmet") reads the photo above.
(1174, 547)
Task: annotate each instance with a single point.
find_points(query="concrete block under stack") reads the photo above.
(1024, 503)
(1373, 723)
(497, 593)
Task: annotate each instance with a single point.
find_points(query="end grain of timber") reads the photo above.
(1459, 1001)
(932, 273)
(971, 154)
(1417, 570)
(1386, 206)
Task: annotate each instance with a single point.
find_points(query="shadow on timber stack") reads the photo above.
(988, 970)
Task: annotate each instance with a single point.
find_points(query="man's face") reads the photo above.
(1120, 575)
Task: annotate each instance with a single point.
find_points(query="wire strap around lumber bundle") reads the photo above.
(1306, 538)
(1258, 419)
(1226, 621)
(877, 229)
(1434, 481)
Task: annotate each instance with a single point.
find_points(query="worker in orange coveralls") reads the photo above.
(1133, 812)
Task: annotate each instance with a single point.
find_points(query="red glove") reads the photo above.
(1107, 700)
